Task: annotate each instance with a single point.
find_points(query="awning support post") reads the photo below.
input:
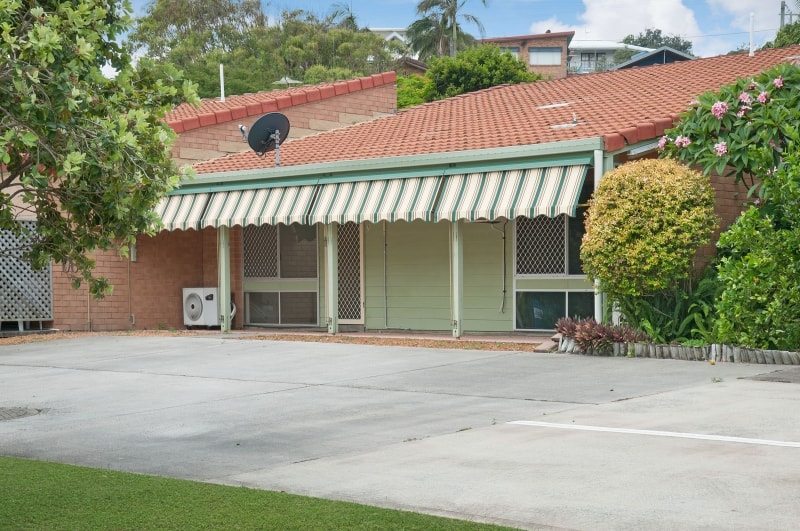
(224, 284)
(332, 276)
(457, 276)
(599, 170)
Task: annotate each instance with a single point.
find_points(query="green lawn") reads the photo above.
(39, 495)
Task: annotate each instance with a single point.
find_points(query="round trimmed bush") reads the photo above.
(644, 225)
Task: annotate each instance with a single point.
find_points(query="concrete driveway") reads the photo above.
(422, 429)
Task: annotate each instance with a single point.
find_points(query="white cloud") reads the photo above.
(552, 24)
(766, 17)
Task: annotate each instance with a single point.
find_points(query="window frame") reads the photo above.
(284, 284)
(513, 50)
(565, 241)
(565, 291)
(550, 49)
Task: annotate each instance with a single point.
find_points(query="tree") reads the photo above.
(473, 69)
(255, 54)
(652, 38)
(743, 129)
(439, 23)
(787, 36)
(412, 90)
(89, 156)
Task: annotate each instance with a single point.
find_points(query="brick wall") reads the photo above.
(220, 139)
(165, 264)
(168, 262)
(549, 72)
(731, 200)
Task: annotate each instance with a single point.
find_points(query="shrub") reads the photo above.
(760, 301)
(411, 90)
(591, 336)
(644, 225)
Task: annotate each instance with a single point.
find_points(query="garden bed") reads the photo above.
(714, 353)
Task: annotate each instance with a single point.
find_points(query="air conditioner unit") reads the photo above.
(200, 307)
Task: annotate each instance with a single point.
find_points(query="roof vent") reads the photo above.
(553, 106)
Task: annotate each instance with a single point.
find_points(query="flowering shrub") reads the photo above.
(644, 224)
(743, 129)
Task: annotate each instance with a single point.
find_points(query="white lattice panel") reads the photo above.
(260, 249)
(25, 294)
(350, 272)
(541, 246)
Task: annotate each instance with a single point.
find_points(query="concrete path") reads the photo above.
(426, 430)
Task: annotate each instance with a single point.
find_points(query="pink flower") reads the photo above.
(743, 110)
(662, 142)
(777, 82)
(682, 141)
(719, 109)
(745, 98)
(751, 85)
(720, 148)
(762, 98)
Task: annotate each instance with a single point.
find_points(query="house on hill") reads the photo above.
(461, 215)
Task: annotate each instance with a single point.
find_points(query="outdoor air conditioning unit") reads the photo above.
(200, 307)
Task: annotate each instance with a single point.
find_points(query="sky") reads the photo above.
(714, 26)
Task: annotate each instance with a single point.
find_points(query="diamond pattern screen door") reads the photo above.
(350, 274)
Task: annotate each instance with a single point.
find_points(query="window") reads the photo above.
(280, 261)
(551, 246)
(545, 56)
(539, 310)
(593, 61)
(513, 50)
(297, 257)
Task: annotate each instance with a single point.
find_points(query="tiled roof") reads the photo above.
(211, 111)
(622, 107)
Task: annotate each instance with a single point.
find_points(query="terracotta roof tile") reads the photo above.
(212, 111)
(619, 106)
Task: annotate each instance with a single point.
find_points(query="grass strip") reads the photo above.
(42, 495)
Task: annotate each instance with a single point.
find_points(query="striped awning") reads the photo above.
(182, 211)
(265, 206)
(389, 200)
(531, 192)
(507, 194)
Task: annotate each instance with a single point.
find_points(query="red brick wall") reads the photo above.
(168, 262)
(220, 139)
(165, 264)
(549, 72)
(731, 200)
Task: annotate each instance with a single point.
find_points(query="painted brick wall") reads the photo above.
(347, 109)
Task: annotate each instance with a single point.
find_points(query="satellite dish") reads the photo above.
(268, 132)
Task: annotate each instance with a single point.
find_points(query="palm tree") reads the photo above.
(439, 24)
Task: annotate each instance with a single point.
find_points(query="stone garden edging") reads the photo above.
(715, 352)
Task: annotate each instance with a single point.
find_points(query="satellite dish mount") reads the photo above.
(268, 133)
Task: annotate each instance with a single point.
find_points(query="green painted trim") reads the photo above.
(637, 146)
(394, 173)
(388, 167)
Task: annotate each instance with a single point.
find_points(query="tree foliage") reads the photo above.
(644, 225)
(412, 90)
(87, 155)
(652, 38)
(786, 36)
(255, 53)
(473, 69)
(742, 130)
(655, 38)
(432, 34)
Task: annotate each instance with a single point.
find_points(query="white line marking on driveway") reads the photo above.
(722, 438)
